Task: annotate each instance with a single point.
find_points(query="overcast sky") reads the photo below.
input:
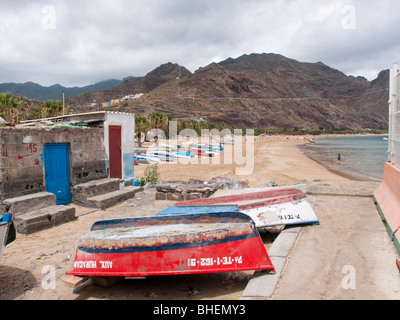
(82, 42)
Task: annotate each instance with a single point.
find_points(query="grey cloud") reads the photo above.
(95, 40)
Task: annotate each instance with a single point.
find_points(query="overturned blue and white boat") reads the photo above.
(267, 208)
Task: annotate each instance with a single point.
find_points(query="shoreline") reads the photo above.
(330, 165)
(343, 173)
(285, 158)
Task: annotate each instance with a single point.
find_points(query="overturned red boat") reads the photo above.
(171, 245)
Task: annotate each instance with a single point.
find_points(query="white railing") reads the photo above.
(394, 117)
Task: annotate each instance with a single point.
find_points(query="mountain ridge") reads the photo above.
(253, 91)
(36, 91)
(258, 91)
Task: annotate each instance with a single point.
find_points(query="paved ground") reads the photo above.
(348, 256)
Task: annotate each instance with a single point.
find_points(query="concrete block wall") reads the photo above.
(87, 156)
(21, 164)
(21, 157)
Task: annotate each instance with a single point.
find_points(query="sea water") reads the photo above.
(360, 156)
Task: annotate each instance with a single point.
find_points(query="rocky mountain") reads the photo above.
(266, 91)
(37, 92)
(254, 91)
(154, 79)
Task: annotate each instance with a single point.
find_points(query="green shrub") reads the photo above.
(151, 174)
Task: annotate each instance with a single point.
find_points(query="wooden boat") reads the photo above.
(182, 153)
(140, 159)
(145, 158)
(170, 147)
(211, 147)
(163, 156)
(209, 150)
(171, 245)
(267, 208)
(7, 231)
(200, 152)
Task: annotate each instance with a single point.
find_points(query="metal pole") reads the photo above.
(63, 107)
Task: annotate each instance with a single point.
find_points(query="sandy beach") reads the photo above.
(275, 157)
(32, 262)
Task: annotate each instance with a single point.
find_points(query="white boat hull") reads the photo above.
(267, 209)
(289, 213)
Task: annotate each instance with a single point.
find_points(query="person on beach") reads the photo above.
(339, 157)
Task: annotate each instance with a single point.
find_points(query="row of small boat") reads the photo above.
(199, 236)
(169, 153)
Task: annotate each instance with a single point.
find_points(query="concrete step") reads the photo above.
(84, 191)
(24, 204)
(110, 199)
(44, 218)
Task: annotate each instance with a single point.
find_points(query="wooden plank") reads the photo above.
(74, 281)
(106, 282)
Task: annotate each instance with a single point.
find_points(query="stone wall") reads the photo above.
(21, 157)
(183, 191)
(196, 188)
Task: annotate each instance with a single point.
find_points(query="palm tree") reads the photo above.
(158, 120)
(141, 127)
(52, 108)
(9, 106)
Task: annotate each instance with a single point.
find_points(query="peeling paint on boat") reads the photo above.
(166, 245)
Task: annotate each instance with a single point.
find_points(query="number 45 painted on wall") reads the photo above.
(33, 147)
